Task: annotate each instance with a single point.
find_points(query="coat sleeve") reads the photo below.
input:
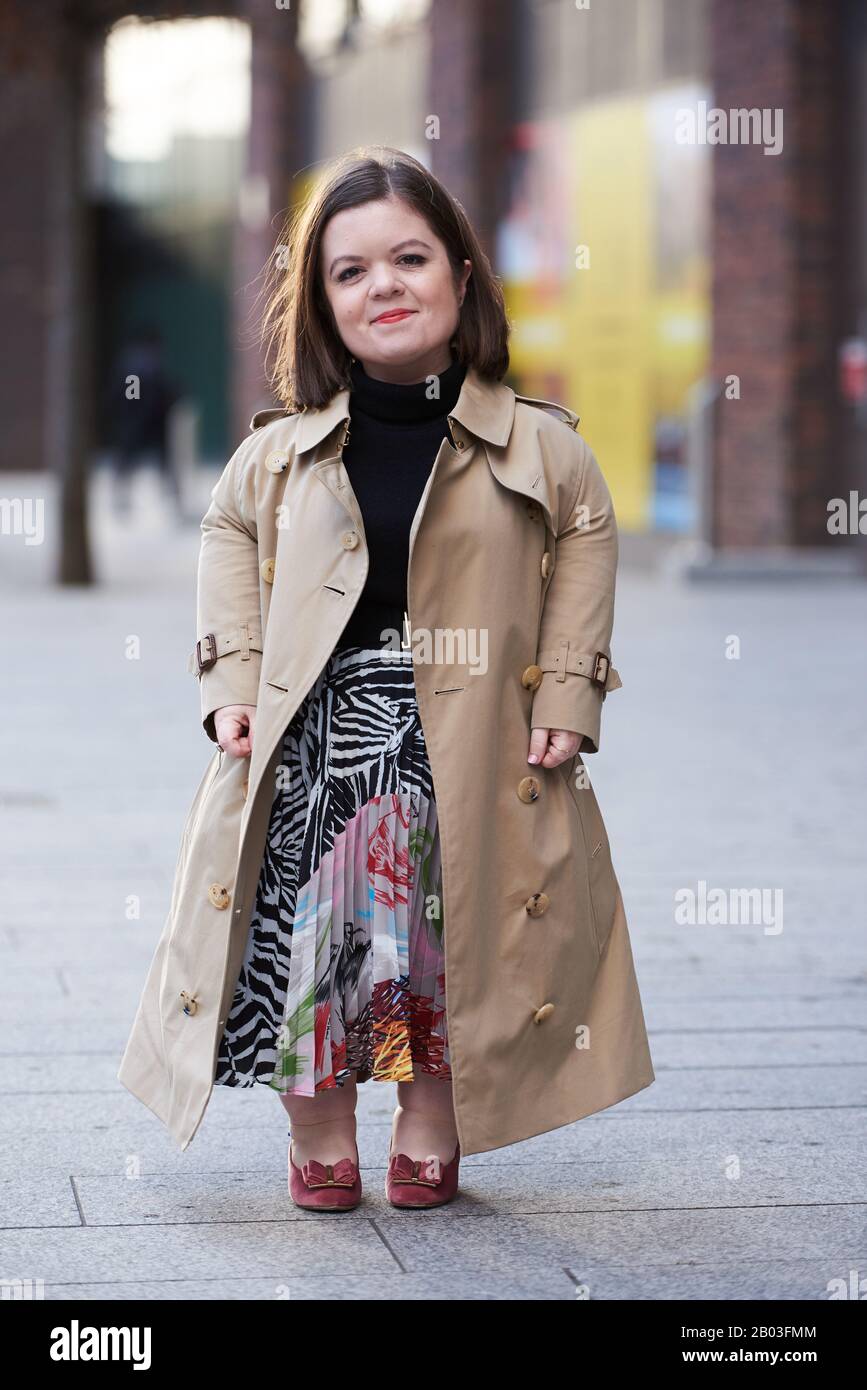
(578, 613)
(229, 613)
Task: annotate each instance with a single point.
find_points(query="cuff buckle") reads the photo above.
(596, 678)
(204, 663)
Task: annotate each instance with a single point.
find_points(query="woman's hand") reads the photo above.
(563, 744)
(233, 725)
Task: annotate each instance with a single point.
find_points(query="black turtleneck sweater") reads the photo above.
(394, 436)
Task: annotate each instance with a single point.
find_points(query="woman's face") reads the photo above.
(383, 259)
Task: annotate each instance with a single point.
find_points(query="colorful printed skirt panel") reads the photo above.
(344, 970)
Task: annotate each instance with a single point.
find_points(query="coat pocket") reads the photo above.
(597, 851)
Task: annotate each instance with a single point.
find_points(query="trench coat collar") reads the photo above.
(485, 408)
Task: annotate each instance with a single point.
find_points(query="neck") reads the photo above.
(410, 401)
(410, 373)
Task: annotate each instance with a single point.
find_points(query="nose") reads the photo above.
(384, 281)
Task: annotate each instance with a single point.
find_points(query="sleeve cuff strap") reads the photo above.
(245, 638)
(596, 666)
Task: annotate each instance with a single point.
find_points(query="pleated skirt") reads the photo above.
(344, 969)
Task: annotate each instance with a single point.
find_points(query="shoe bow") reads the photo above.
(406, 1169)
(341, 1174)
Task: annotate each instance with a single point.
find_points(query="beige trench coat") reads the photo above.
(512, 561)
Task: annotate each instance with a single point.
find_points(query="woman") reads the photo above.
(406, 588)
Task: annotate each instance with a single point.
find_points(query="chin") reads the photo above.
(398, 352)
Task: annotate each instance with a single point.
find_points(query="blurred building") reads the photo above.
(673, 192)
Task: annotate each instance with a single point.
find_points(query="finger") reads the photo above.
(562, 747)
(538, 745)
(554, 756)
(232, 736)
(244, 739)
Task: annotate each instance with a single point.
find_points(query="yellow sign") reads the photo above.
(605, 265)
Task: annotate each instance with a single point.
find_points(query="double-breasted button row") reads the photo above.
(541, 1014)
(537, 904)
(219, 895)
(349, 540)
(529, 788)
(531, 678)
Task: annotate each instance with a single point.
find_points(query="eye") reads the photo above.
(413, 256)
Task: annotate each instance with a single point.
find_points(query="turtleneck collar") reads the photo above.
(386, 400)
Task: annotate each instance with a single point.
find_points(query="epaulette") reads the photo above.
(569, 417)
(264, 417)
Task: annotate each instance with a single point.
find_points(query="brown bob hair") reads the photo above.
(306, 360)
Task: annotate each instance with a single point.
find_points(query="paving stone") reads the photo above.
(260, 1249)
(535, 1285)
(584, 1185)
(640, 1239)
(29, 1199)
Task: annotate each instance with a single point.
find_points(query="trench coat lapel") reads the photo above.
(486, 410)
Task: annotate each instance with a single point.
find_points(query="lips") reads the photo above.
(394, 316)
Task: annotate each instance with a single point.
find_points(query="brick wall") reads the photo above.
(473, 64)
(775, 255)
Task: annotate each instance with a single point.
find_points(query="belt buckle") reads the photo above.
(596, 678)
(208, 661)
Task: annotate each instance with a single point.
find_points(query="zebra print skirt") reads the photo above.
(344, 970)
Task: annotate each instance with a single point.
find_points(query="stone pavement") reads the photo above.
(738, 1174)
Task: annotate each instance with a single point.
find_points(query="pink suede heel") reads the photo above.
(409, 1181)
(325, 1186)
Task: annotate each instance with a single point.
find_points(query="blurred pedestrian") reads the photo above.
(140, 398)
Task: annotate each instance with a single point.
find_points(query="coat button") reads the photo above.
(547, 564)
(537, 904)
(349, 540)
(528, 789)
(219, 895)
(532, 678)
(266, 569)
(534, 511)
(277, 461)
(541, 1014)
(188, 1003)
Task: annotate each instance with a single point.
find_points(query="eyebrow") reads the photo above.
(413, 241)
